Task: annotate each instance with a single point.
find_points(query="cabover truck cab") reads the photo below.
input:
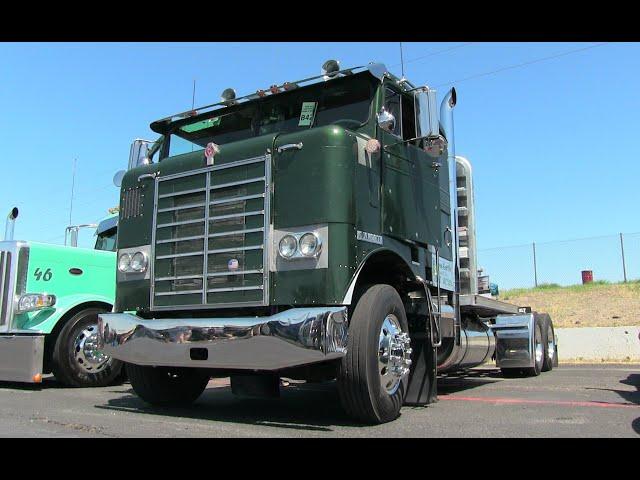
(50, 296)
(310, 231)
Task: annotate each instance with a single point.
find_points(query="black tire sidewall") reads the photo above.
(547, 363)
(156, 387)
(66, 368)
(538, 327)
(385, 301)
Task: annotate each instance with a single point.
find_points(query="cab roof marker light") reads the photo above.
(228, 97)
(378, 70)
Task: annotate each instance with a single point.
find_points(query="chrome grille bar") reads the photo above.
(236, 232)
(235, 289)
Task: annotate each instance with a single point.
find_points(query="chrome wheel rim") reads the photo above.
(394, 354)
(86, 353)
(551, 344)
(539, 347)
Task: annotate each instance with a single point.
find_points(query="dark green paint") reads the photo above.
(398, 195)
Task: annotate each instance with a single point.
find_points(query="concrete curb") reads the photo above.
(599, 344)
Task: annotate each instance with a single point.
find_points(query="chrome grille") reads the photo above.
(5, 281)
(209, 241)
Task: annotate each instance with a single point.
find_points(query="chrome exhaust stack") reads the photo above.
(11, 220)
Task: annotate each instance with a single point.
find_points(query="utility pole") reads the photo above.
(624, 266)
(535, 266)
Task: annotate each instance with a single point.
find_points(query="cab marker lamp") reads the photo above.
(372, 146)
(30, 302)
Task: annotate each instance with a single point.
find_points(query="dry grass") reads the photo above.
(599, 304)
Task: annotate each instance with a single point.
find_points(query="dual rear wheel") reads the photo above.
(545, 349)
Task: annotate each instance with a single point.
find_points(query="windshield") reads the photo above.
(107, 240)
(345, 101)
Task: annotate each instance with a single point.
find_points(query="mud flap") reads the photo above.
(422, 387)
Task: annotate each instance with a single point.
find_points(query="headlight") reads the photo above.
(288, 246)
(133, 262)
(124, 262)
(309, 245)
(35, 301)
(138, 262)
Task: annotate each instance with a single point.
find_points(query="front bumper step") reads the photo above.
(295, 337)
(21, 358)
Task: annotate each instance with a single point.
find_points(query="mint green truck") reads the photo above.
(50, 297)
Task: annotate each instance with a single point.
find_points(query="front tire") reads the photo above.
(76, 361)
(167, 386)
(373, 375)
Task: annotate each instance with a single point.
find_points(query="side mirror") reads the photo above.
(386, 120)
(139, 153)
(117, 178)
(427, 113)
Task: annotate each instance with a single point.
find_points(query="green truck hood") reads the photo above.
(73, 275)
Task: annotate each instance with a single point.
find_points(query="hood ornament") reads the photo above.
(211, 151)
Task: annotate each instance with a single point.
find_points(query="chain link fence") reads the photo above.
(612, 258)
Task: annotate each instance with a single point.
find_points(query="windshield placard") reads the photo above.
(307, 114)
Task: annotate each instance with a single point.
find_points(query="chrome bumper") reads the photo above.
(295, 337)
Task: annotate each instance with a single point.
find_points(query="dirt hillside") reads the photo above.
(592, 305)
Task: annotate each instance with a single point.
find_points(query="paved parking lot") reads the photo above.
(581, 401)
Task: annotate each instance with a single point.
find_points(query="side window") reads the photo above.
(392, 104)
(408, 118)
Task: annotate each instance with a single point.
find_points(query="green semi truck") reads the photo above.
(320, 230)
(50, 296)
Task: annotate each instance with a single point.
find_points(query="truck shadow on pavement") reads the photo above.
(629, 397)
(47, 383)
(314, 407)
(311, 407)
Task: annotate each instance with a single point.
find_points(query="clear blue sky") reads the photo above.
(554, 143)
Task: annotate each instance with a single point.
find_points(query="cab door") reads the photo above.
(411, 181)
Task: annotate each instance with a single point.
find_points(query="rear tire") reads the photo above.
(549, 343)
(167, 386)
(538, 354)
(76, 361)
(369, 390)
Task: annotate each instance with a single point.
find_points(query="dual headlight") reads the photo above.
(135, 262)
(304, 245)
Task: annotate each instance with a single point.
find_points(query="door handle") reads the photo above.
(290, 146)
(147, 175)
(436, 165)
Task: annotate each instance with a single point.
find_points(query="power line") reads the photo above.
(433, 54)
(597, 237)
(523, 64)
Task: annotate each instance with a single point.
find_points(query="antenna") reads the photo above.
(73, 184)
(402, 60)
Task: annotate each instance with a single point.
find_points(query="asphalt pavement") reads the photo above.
(570, 401)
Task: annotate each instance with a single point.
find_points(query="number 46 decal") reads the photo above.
(46, 275)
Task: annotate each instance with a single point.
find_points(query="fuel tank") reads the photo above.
(477, 345)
